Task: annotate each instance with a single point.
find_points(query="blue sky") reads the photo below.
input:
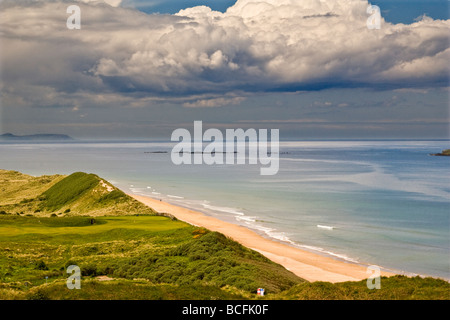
(309, 68)
(396, 11)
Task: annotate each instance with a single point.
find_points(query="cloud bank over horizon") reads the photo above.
(121, 54)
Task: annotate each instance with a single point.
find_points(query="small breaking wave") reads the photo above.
(222, 209)
(175, 197)
(322, 250)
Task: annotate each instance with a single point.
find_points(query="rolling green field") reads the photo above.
(48, 223)
(159, 252)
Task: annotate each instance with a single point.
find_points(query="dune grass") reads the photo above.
(392, 288)
(77, 194)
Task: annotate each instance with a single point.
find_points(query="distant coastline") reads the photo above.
(34, 137)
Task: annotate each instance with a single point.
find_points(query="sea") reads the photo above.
(384, 203)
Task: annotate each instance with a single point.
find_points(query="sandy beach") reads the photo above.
(307, 265)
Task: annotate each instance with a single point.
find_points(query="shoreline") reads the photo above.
(307, 265)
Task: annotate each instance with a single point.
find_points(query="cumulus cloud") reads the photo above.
(256, 45)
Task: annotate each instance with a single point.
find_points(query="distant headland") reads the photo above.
(34, 137)
(443, 153)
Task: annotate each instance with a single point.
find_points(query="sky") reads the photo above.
(139, 69)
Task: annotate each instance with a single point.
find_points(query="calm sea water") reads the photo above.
(387, 202)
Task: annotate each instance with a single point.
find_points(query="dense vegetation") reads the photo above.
(163, 254)
(392, 288)
(48, 223)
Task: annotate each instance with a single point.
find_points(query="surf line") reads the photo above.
(325, 227)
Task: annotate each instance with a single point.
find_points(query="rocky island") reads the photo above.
(443, 153)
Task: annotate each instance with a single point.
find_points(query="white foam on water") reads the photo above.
(321, 250)
(325, 227)
(223, 209)
(136, 191)
(175, 197)
(272, 233)
(246, 218)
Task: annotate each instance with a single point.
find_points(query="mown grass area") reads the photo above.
(168, 255)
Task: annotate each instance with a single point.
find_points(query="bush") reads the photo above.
(38, 295)
(40, 265)
(89, 270)
(70, 263)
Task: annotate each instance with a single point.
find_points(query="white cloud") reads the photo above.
(254, 46)
(214, 102)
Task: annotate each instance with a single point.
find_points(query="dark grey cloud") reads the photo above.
(122, 55)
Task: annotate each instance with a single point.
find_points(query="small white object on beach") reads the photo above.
(325, 227)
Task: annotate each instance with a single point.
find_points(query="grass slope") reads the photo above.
(16, 186)
(392, 288)
(165, 255)
(77, 194)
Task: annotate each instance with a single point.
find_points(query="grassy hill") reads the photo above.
(127, 251)
(77, 194)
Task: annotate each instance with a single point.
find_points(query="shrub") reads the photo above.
(70, 263)
(40, 265)
(38, 295)
(89, 270)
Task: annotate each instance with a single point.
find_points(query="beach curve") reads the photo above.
(307, 265)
